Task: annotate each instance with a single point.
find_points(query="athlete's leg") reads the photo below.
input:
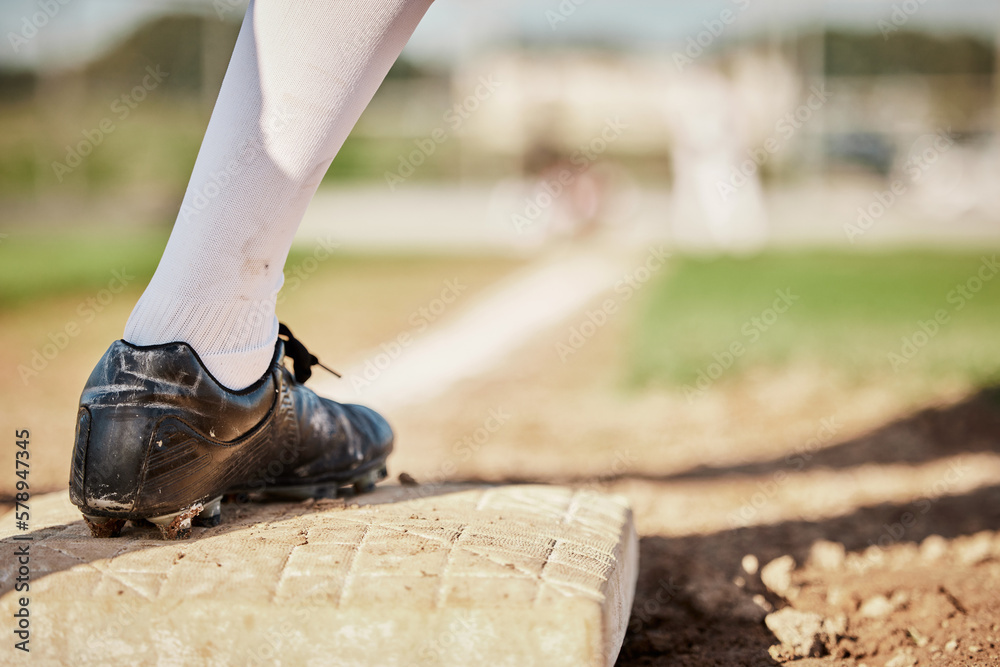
(300, 76)
(197, 403)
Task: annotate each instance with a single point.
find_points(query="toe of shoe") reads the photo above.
(373, 426)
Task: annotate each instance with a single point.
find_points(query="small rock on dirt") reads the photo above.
(876, 607)
(901, 659)
(827, 555)
(975, 549)
(800, 631)
(835, 627)
(777, 575)
(932, 548)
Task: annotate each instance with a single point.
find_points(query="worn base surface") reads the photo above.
(512, 575)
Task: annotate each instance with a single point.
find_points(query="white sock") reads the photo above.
(301, 74)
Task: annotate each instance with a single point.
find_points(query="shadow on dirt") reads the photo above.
(686, 610)
(968, 427)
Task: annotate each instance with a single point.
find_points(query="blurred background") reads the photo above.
(735, 259)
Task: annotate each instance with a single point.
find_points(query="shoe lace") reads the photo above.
(302, 359)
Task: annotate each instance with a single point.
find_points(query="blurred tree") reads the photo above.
(907, 52)
(16, 86)
(187, 47)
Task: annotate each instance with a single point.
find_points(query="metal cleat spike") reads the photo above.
(102, 526)
(177, 526)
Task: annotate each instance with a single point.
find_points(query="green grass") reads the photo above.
(851, 312)
(39, 265)
(156, 146)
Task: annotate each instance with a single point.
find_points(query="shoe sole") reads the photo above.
(362, 484)
(208, 514)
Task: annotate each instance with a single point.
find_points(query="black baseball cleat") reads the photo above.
(158, 439)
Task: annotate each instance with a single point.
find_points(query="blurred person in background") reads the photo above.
(717, 205)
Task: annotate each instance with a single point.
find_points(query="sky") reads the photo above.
(82, 29)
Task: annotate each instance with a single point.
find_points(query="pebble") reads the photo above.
(876, 607)
(901, 659)
(899, 598)
(975, 549)
(750, 564)
(835, 626)
(712, 596)
(951, 645)
(903, 556)
(932, 548)
(918, 638)
(827, 555)
(800, 631)
(873, 556)
(777, 575)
